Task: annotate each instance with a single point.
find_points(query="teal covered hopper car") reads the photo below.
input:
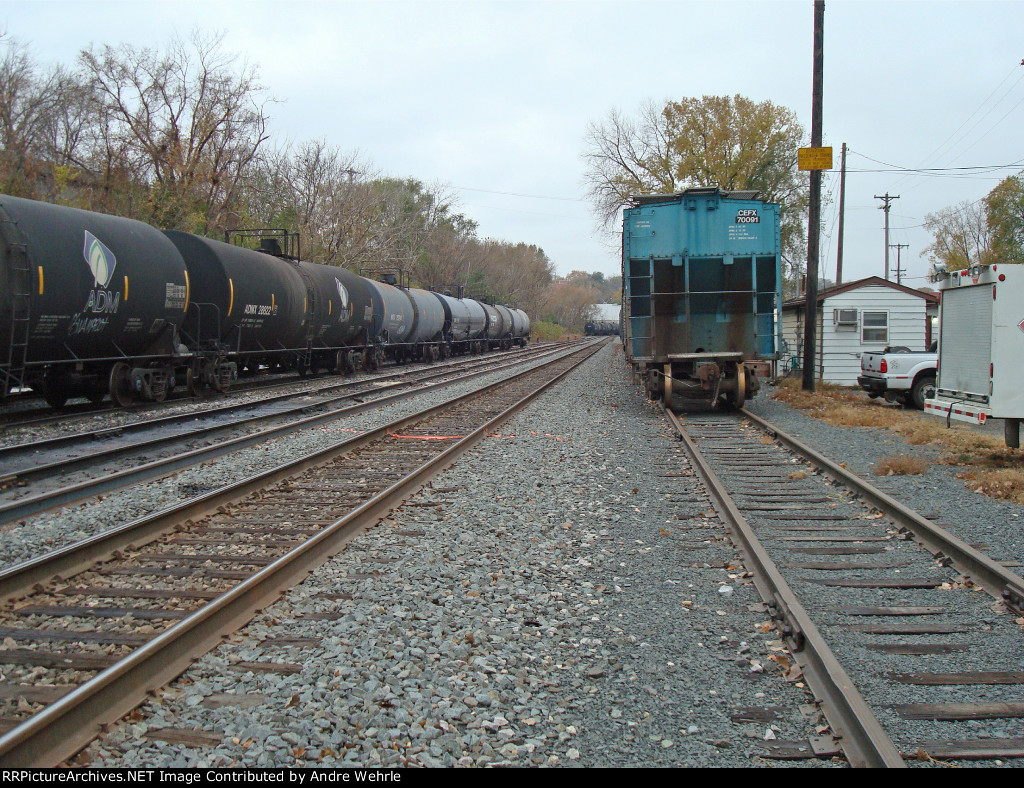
(702, 286)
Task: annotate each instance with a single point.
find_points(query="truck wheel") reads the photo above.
(924, 388)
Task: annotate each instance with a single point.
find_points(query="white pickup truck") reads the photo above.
(900, 375)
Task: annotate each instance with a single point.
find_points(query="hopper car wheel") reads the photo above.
(737, 398)
(120, 388)
(667, 387)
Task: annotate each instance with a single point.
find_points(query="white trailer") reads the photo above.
(981, 347)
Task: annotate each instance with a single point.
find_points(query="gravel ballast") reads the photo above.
(562, 596)
(566, 598)
(33, 536)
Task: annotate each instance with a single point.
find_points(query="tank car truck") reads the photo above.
(702, 286)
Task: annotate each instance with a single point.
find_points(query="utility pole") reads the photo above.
(886, 199)
(842, 216)
(899, 271)
(814, 209)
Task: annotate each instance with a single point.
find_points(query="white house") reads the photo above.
(854, 318)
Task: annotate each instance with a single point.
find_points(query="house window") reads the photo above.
(875, 327)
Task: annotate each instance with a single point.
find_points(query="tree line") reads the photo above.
(181, 138)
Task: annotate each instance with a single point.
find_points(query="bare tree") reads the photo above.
(29, 100)
(625, 157)
(188, 123)
(725, 141)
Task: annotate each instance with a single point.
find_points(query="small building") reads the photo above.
(855, 318)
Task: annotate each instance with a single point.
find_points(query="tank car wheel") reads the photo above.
(120, 388)
(96, 393)
(369, 360)
(191, 384)
(216, 381)
(55, 395)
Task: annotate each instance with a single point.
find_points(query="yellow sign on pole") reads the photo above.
(814, 158)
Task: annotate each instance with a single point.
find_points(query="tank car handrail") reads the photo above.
(198, 339)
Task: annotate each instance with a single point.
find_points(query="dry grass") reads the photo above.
(995, 470)
(900, 465)
(1007, 483)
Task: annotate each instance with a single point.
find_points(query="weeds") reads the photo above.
(994, 470)
(900, 465)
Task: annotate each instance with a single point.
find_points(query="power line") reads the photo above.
(978, 169)
(931, 156)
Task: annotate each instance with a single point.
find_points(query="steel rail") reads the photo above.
(982, 570)
(330, 393)
(34, 504)
(361, 388)
(280, 380)
(864, 741)
(63, 728)
(20, 579)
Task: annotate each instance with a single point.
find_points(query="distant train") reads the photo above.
(702, 288)
(605, 321)
(96, 305)
(601, 328)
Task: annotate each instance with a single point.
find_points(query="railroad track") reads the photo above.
(88, 631)
(884, 631)
(15, 417)
(52, 472)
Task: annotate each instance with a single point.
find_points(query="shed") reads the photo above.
(855, 318)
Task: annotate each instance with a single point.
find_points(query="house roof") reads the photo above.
(795, 303)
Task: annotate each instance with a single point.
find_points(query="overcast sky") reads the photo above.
(493, 98)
